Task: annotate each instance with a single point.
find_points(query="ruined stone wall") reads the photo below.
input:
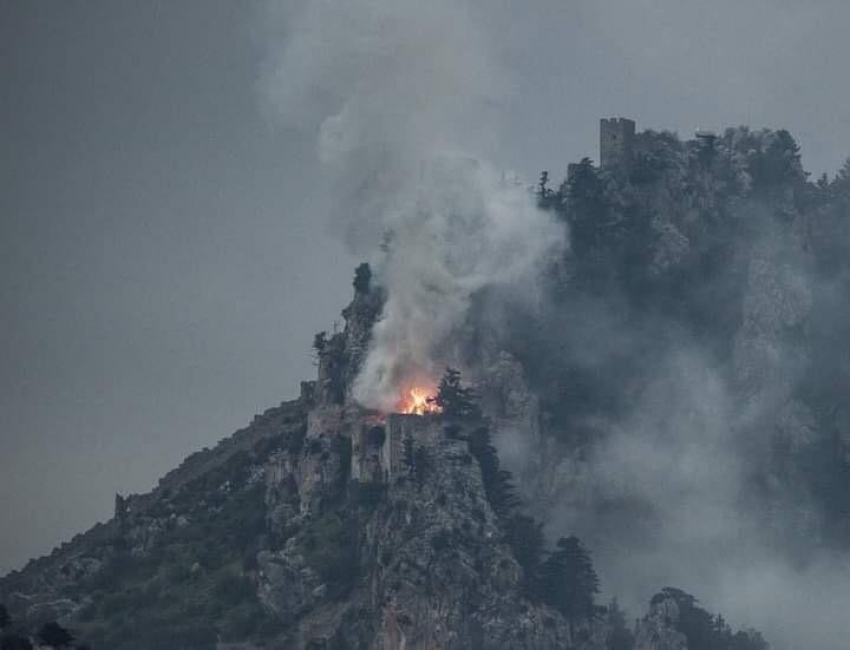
(616, 143)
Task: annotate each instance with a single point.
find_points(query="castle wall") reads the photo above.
(372, 462)
(616, 143)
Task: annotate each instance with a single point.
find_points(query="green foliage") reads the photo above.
(15, 642)
(54, 635)
(10, 640)
(526, 539)
(329, 546)
(367, 495)
(442, 541)
(320, 342)
(776, 161)
(241, 621)
(621, 635)
(567, 581)
(362, 278)
(545, 195)
(498, 483)
(230, 589)
(191, 586)
(704, 631)
(456, 401)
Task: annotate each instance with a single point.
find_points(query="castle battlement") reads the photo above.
(616, 143)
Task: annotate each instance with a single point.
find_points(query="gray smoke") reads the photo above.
(402, 100)
(666, 495)
(401, 97)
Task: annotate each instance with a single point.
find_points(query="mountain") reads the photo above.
(663, 405)
(321, 525)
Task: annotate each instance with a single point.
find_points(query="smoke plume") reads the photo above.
(682, 488)
(401, 100)
(401, 96)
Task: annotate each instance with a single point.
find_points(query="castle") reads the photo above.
(616, 143)
(378, 451)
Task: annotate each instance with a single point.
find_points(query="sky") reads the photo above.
(167, 249)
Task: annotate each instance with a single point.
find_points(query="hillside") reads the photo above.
(666, 400)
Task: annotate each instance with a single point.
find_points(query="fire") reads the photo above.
(416, 402)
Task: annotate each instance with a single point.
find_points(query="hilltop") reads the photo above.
(667, 399)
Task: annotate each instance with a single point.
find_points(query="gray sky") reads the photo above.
(164, 245)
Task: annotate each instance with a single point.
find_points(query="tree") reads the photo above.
(525, 537)
(567, 580)
(54, 635)
(320, 342)
(841, 182)
(544, 194)
(363, 278)
(15, 642)
(498, 482)
(456, 401)
(621, 636)
(748, 640)
(703, 631)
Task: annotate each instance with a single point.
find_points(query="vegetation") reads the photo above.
(51, 634)
(565, 578)
(706, 632)
(621, 634)
(320, 342)
(196, 582)
(525, 537)
(498, 482)
(55, 636)
(456, 401)
(567, 581)
(15, 642)
(329, 546)
(362, 278)
(11, 639)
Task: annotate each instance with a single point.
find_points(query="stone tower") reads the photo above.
(616, 143)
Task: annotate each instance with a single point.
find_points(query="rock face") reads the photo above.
(659, 628)
(434, 570)
(323, 525)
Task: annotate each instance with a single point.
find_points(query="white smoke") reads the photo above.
(401, 96)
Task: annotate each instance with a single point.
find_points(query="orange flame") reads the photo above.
(416, 402)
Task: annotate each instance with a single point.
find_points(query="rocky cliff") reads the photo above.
(322, 525)
(681, 369)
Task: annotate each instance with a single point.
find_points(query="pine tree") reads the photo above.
(621, 636)
(567, 580)
(456, 401)
(54, 635)
(525, 537)
(362, 278)
(498, 483)
(15, 642)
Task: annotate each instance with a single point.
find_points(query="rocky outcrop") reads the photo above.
(658, 630)
(432, 568)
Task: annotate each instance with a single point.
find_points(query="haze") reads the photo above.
(166, 246)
